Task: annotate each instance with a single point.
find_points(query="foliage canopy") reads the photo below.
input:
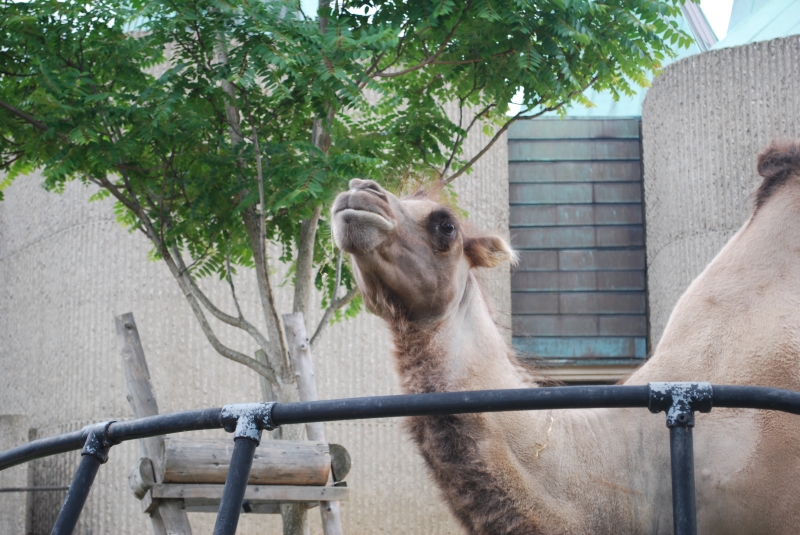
(188, 112)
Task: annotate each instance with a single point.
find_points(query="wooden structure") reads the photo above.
(579, 291)
(180, 475)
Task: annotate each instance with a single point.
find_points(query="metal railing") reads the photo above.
(246, 421)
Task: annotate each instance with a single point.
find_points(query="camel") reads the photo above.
(598, 471)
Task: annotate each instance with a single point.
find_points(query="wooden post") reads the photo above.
(300, 351)
(169, 518)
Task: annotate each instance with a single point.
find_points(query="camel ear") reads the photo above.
(488, 251)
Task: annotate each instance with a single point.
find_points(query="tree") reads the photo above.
(220, 126)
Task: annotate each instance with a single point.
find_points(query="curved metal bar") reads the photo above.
(565, 397)
(756, 397)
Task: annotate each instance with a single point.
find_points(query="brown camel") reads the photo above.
(592, 471)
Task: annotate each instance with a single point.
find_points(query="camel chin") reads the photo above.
(359, 231)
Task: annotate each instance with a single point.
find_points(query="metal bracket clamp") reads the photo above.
(247, 420)
(680, 401)
(97, 441)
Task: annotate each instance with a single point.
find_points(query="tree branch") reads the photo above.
(508, 123)
(336, 305)
(433, 57)
(30, 119)
(240, 322)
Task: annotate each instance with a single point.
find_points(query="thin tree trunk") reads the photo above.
(305, 262)
(300, 350)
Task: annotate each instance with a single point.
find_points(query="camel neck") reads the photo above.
(463, 351)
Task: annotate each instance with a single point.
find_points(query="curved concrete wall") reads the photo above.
(705, 120)
(67, 268)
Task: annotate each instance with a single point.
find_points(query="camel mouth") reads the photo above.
(349, 216)
(357, 230)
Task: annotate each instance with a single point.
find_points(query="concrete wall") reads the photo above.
(67, 268)
(704, 121)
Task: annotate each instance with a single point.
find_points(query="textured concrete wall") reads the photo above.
(67, 268)
(13, 505)
(704, 121)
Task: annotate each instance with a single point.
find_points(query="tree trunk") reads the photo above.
(300, 351)
(294, 515)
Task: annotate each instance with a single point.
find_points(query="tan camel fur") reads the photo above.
(592, 471)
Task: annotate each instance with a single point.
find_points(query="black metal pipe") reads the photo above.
(757, 397)
(230, 506)
(407, 405)
(76, 496)
(43, 447)
(564, 397)
(684, 510)
(165, 424)
(151, 426)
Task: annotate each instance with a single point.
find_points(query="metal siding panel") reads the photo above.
(618, 214)
(553, 281)
(533, 216)
(584, 306)
(618, 193)
(623, 325)
(601, 303)
(581, 150)
(589, 347)
(550, 193)
(556, 325)
(553, 237)
(574, 129)
(619, 236)
(620, 280)
(537, 261)
(534, 303)
(575, 214)
(600, 259)
(607, 171)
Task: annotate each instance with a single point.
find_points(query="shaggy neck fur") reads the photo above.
(465, 351)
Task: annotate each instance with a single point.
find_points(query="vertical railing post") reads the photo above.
(680, 401)
(94, 453)
(246, 422)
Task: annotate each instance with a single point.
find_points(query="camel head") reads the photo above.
(412, 256)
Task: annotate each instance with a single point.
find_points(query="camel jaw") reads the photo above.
(357, 230)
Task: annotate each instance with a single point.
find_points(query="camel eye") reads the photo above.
(447, 228)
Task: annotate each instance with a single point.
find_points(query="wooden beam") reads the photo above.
(276, 462)
(170, 517)
(254, 494)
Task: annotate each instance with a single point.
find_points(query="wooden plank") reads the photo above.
(170, 517)
(570, 171)
(212, 506)
(574, 129)
(276, 462)
(254, 493)
(573, 150)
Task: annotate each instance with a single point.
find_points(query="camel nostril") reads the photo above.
(368, 185)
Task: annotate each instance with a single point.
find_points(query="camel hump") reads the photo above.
(776, 164)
